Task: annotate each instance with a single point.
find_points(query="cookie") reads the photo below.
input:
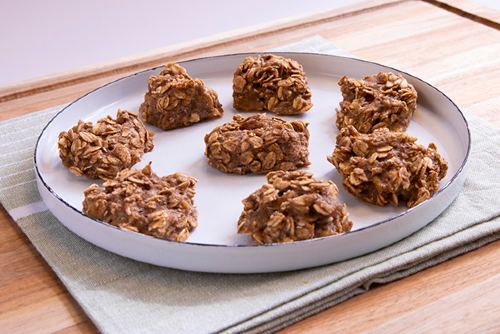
(271, 83)
(386, 167)
(176, 100)
(141, 201)
(258, 144)
(382, 100)
(101, 150)
(293, 206)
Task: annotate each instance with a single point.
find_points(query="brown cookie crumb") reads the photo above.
(258, 144)
(293, 206)
(382, 100)
(272, 83)
(175, 100)
(104, 149)
(387, 167)
(141, 201)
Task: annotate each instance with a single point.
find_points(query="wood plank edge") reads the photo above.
(466, 14)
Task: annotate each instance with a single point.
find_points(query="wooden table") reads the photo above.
(453, 45)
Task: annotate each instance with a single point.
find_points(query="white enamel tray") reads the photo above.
(215, 246)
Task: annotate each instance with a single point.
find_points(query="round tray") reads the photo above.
(215, 246)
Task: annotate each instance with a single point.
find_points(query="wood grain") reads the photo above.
(456, 54)
(394, 307)
(32, 299)
(471, 10)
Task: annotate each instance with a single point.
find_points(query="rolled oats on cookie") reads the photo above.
(103, 149)
(258, 144)
(293, 206)
(386, 167)
(272, 83)
(175, 100)
(141, 201)
(377, 101)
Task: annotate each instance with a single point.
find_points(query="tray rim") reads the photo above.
(460, 170)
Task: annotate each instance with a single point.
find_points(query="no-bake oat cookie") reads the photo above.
(382, 100)
(293, 206)
(272, 83)
(175, 100)
(103, 149)
(387, 167)
(141, 201)
(258, 144)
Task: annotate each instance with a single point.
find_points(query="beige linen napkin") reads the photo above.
(124, 296)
